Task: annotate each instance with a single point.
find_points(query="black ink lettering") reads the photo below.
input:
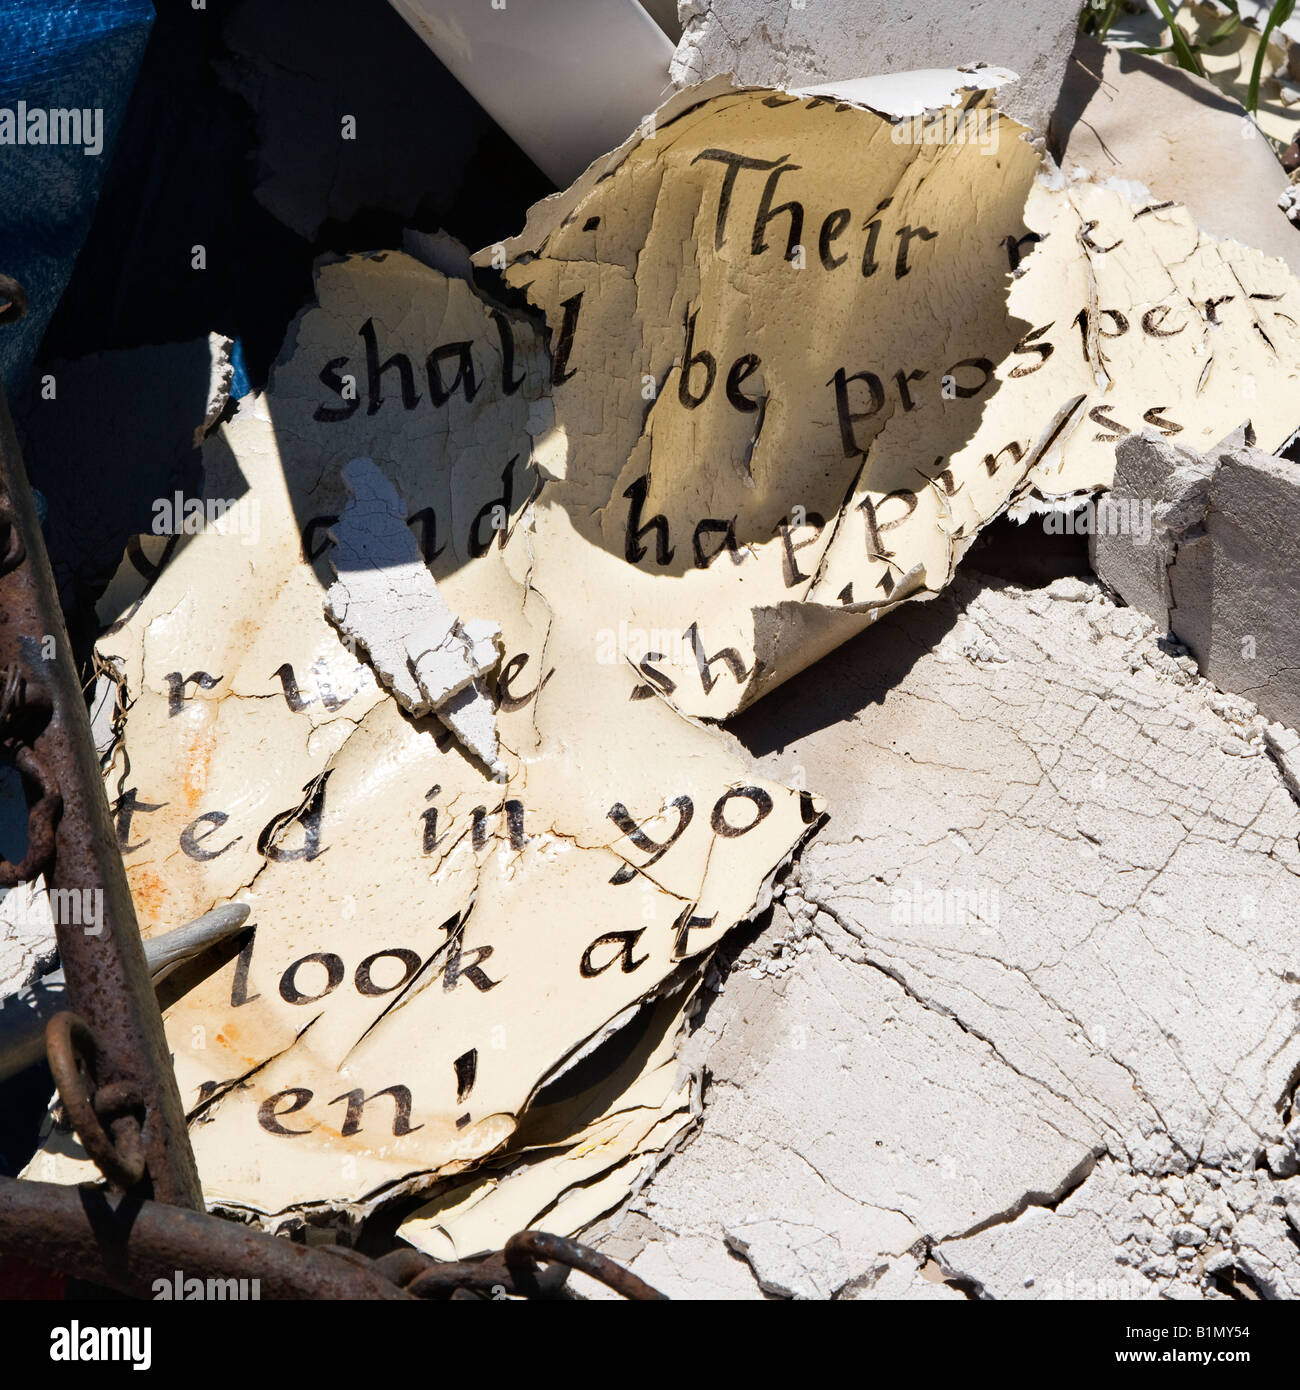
(1154, 417)
(466, 1066)
(712, 526)
(902, 378)
(268, 842)
(634, 552)
(793, 574)
(847, 417)
(192, 841)
(905, 236)
(625, 940)
(1030, 344)
(762, 804)
(358, 1100)
(439, 392)
(735, 163)
(239, 994)
(1013, 245)
(289, 685)
(176, 684)
(504, 699)
(515, 824)
(268, 1116)
(366, 985)
(509, 382)
(1152, 320)
(1099, 417)
(127, 805)
(429, 816)
(834, 224)
(729, 657)
(766, 212)
(487, 512)
(689, 359)
(683, 926)
(991, 460)
(741, 369)
(560, 352)
(473, 972)
(869, 263)
(622, 818)
(310, 550)
(289, 990)
(375, 371)
(980, 364)
(330, 414)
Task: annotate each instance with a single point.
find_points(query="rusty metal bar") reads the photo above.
(133, 1244)
(48, 730)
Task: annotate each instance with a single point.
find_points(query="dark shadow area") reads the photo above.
(864, 670)
(1026, 553)
(859, 673)
(232, 174)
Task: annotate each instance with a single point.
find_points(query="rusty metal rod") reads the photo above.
(132, 1244)
(108, 979)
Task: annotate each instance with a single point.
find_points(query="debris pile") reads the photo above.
(577, 660)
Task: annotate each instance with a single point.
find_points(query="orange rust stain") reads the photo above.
(149, 893)
(196, 767)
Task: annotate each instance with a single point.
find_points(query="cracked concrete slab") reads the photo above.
(1030, 1006)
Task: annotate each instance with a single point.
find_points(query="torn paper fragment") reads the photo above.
(806, 347)
(447, 970)
(802, 351)
(385, 600)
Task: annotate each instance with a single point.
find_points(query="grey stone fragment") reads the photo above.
(1221, 567)
(775, 43)
(1123, 115)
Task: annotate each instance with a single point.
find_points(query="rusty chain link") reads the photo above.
(73, 1052)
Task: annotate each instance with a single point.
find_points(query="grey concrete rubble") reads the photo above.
(1024, 1025)
(1220, 567)
(1126, 116)
(772, 43)
(27, 945)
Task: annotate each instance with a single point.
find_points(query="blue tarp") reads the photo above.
(66, 72)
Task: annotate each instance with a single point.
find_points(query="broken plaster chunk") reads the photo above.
(1218, 565)
(773, 43)
(1013, 757)
(386, 600)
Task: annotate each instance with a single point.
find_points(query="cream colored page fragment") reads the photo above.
(432, 943)
(803, 353)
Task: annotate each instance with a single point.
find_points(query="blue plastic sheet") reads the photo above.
(66, 72)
